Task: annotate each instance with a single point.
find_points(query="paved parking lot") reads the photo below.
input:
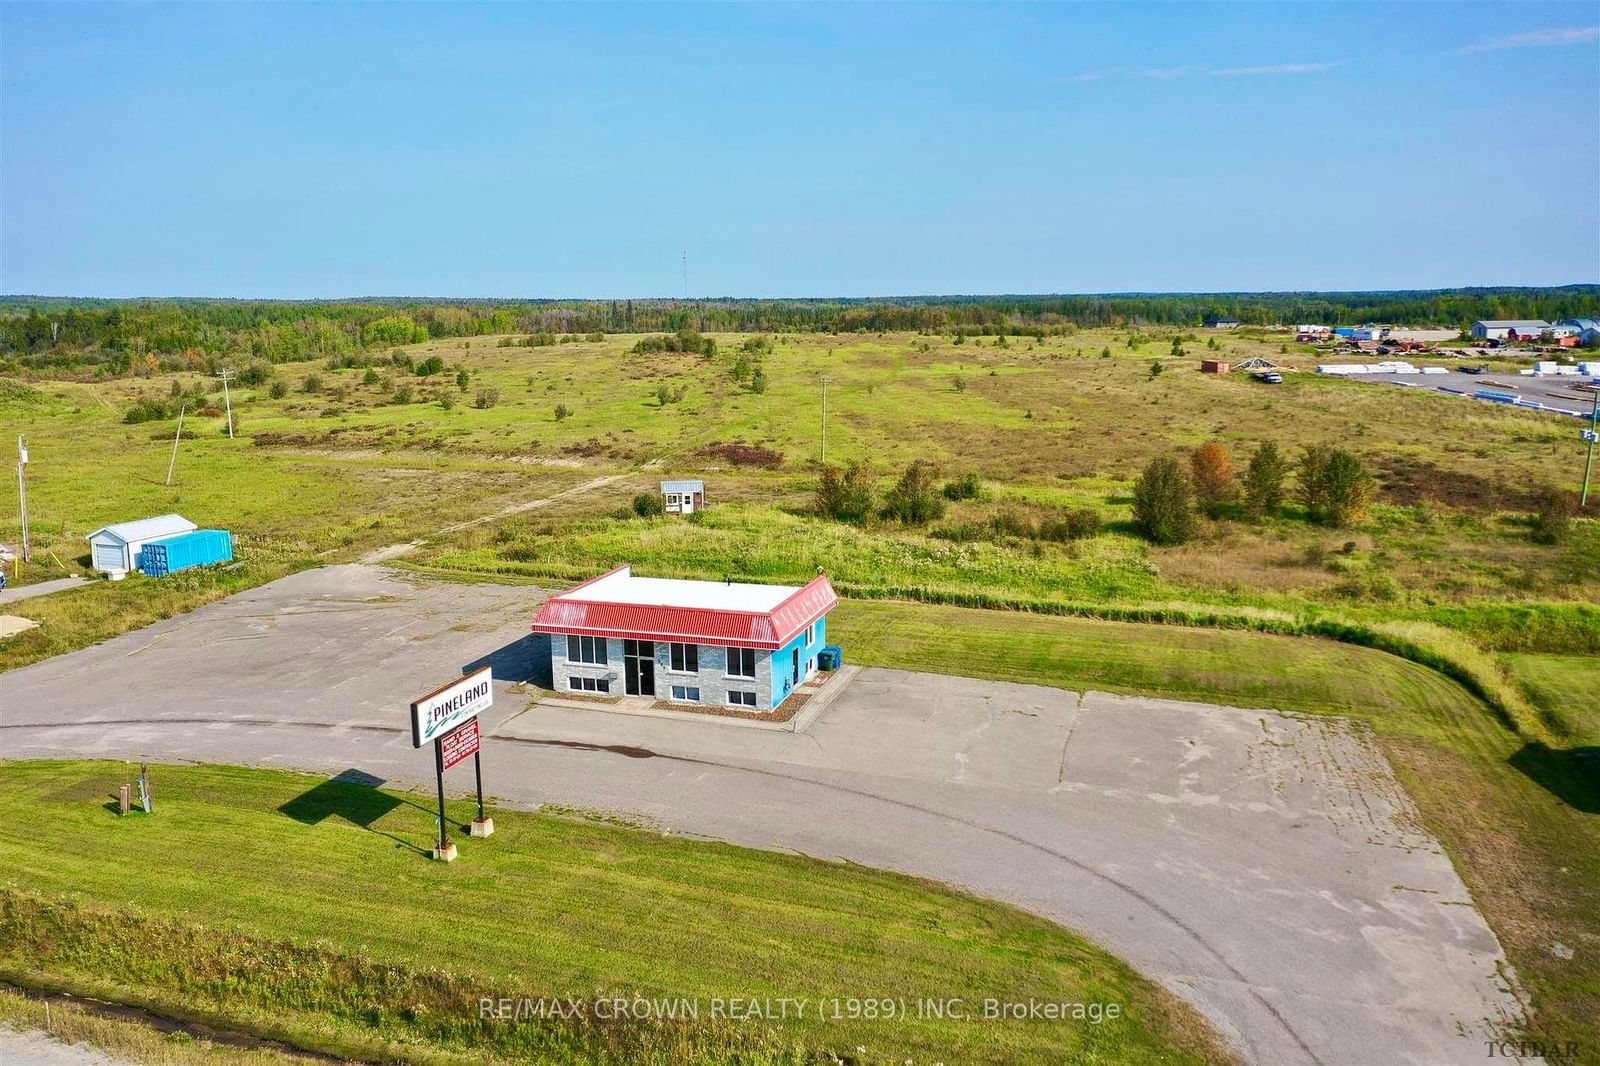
(1556, 394)
(1265, 867)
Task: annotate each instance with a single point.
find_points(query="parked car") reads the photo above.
(1473, 369)
(1269, 377)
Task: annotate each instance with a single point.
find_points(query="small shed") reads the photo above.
(684, 497)
(114, 550)
(1213, 366)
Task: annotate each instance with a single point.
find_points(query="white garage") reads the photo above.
(114, 550)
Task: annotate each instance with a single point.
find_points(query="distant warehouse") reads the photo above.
(1509, 329)
(719, 643)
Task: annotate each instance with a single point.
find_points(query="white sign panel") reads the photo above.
(439, 712)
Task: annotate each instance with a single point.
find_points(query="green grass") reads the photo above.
(1520, 818)
(301, 909)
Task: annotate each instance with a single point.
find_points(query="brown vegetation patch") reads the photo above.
(786, 710)
(1409, 481)
(739, 453)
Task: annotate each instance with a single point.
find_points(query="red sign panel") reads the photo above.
(459, 744)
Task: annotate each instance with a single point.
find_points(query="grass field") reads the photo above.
(289, 906)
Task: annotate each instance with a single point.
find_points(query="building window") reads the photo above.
(688, 693)
(686, 658)
(742, 662)
(589, 684)
(591, 650)
(811, 634)
(741, 699)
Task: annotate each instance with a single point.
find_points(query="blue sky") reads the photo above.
(305, 151)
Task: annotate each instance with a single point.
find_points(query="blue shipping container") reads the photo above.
(199, 548)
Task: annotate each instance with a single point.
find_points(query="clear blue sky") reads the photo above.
(305, 151)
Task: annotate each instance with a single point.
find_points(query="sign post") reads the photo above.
(449, 718)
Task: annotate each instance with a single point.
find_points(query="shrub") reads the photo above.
(312, 383)
(430, 366)
(402, 394)
(966, 487)
(914, 500)
(685, 340)
(1162, 508)
(758, 380)
(370, 377)
(649, 505)
(1011, 524)
(1334, 487)
(959, 383)
(1211, 471)
(1551, 517)
(1074, 525)
(463, 379)
(486, 399)
(666, 394)
(1263, 480)
(1156, 369)
(446, 400)
(278, 390)
(147, 411)
(563, 412)
(844, 495)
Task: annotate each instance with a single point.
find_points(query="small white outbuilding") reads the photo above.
(114, 550)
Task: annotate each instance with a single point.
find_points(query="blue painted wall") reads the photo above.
(783, 678)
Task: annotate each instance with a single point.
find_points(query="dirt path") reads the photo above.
(394, 551)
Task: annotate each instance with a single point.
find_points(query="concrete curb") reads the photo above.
(798, 724)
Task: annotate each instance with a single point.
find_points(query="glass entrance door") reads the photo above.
(639, 667)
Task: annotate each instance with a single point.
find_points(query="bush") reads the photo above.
(1162, 508)
(914, 500)
(430, 366)
(758, 380)
(1334, 487)
(666, 394)
(370, 377)
(446, 401)
(966, 487)
(278, 390)
(685, 340)
(402, 394)
(1074, 525)
(1011, 524)
(563, 412)
(147, 411)
(463, 379)
(649, 505)
(1552, 516)
(1263, 480)
(845, 495)
(312, 383)
(486, 399)
(1211, 471)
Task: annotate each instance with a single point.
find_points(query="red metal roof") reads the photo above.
(702, 625)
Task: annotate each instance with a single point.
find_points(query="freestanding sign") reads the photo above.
(449, 718)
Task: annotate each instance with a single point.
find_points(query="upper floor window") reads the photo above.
(742, 662)
(686, 658)
(590, 650)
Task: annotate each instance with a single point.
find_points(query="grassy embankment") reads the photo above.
(1520, 817)
(300, 909)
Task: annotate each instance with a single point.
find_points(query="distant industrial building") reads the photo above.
(114, 550)
(1509, 329)
(1587, 330)
(1221, 322)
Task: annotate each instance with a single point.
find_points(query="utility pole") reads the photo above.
(22, 489)
(173, 464)
(825, 381)
(1591, 435)
(686, 275)
(224, 374)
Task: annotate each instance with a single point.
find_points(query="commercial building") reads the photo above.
(1587, 330)
(684, 497)
(1221, 322)
(716, 643)
(1512, 329)
(114, 550)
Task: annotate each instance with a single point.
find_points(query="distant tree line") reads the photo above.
(136, 336)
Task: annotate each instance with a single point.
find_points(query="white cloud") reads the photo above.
(1536, 38)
